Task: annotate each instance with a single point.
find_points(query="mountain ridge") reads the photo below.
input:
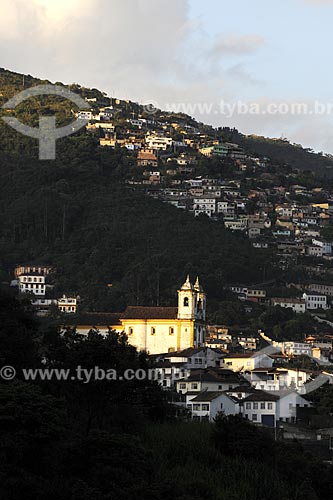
(278, 149)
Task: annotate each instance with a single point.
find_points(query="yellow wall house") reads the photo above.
(163, 329)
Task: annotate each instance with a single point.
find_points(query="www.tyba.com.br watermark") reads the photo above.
(79, 374)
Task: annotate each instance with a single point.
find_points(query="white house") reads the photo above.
(225, 207)
(205, 205)
(105, 114)
(315, 301)
(297, 348)
(247, 361)
(236, 224)
(32, 283)
(260, 408)
(285, 210)
(67, 304)
(207, 405)
(169, 373)
(42, 305)
(321, 288)
(277, 379)
(84, 115)
(297, 305)
(156, 142)
(326, 246)
(174, 366)
(287, 406)
(315, 251)
(211, 380)
(196, 357)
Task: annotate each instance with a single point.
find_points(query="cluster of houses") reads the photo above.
(33, 278)
(206, 368)
(249, 384)
(312, 296)
(168, 149)
(226, 201)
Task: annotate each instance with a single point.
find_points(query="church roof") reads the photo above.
(141, 312)
(97, 319)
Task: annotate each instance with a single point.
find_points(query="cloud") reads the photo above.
(145, 50)
(119, 45)
(233, 44)
(319, 2)
(139, 49)
(240, 74)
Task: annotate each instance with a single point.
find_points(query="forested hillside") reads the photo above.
(109, 243)
(75, 214)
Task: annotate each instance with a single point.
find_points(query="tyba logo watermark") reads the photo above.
(47, 133)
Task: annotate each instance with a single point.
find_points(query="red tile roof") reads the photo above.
(140, 312)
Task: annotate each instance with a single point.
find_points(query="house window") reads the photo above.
(262, 406)
(171, 330)
(186, 302)
(270, 406)
(130, 331)
(248, 406)
(196, 407)
(194, 386)
(254, 417)
(153, 330)
(205, 407)
(255, 406)
(182, 386)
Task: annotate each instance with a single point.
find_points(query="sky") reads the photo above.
(262, 66)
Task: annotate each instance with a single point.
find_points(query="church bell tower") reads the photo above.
(186, 301)
(200, 301)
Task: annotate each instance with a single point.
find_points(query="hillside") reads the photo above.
(279, 150)
(96, 232)
(108, 242)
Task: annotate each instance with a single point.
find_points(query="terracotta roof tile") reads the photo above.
(139, 312)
